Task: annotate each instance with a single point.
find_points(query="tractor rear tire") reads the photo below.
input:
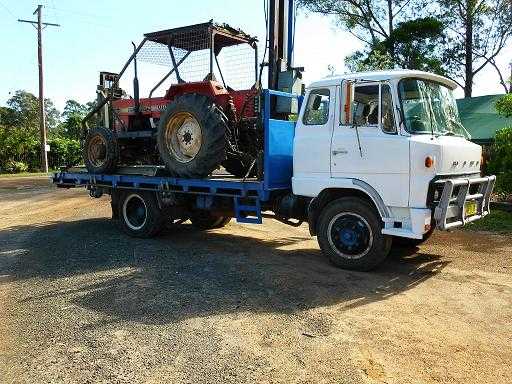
(192, 136)
(101, 152)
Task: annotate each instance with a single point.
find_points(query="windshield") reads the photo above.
(429, 107)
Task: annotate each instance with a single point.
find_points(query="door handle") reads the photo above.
(339, 152)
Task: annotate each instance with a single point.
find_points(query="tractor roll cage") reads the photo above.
(215, 37)
(212, 36)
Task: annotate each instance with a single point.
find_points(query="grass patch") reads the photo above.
(24, 174)
(497, 221)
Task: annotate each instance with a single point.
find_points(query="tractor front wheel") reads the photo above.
(101, 152)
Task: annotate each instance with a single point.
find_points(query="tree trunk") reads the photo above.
(468, 85)
(390, 27)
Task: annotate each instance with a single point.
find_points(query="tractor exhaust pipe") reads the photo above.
(135, 81)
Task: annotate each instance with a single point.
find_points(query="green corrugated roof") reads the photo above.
(479, 117)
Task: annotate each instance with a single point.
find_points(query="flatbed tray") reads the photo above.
(157, 179)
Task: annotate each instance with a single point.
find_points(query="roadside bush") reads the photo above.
(16, 167)
(64, 152)
(500, 162)
(20, 151)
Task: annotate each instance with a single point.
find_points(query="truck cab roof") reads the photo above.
(394, 74)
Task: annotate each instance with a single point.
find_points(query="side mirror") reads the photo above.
(348, 102)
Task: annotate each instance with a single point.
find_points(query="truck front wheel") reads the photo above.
(349, 234)
(139, 214)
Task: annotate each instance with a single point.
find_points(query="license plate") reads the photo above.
(470, 208)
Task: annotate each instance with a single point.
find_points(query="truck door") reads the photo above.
(313, 136)
(366, 144)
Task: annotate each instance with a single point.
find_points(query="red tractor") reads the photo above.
(199, 124)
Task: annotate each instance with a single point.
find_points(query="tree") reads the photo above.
(73, 114)
(24, 111)
(458, 38)
(504, 105)
(414, 43)
(478, 31)
(393, 31)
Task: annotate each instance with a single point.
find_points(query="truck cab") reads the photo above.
(394, 139)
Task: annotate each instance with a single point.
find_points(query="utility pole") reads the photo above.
(42, 123)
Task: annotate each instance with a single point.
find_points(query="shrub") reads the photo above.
(504, 105)
(16, 167)
(500, 162)
(64, 152)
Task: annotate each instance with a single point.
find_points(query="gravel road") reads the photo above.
(82, 303)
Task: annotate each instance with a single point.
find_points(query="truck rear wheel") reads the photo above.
(101, 152)
(139, 214)
(349, 234)
(192, 136)
(205, 220)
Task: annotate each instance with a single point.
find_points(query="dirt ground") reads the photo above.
(80, 303)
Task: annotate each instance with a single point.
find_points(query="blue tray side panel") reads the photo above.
(279, 154)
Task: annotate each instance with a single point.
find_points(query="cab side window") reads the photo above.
(317, 107)
(387, 118)
(368, 109)
(366, 105)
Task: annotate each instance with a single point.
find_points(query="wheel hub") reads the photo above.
(183, 137)
(135, 212)
(350, 235)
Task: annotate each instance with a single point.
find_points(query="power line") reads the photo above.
(54, 12)
(87, 16)
(42, 123)
(7, 9)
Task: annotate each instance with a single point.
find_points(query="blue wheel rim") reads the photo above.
(350, 235)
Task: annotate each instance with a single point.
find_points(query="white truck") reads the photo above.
(372, 157)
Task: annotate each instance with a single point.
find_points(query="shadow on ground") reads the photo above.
(186, 273)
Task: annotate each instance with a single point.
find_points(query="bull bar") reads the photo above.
(450, 211)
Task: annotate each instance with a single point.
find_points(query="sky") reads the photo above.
(96, 35)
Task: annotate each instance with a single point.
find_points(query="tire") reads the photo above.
(192, 136)
(139, 214)
(238, 168)
(349, 234)
(406, 242)
(101, 152)
(204, 220)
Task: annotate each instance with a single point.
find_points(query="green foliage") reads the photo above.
(504, 105)
(24, 111)
(496, 221)
(415, 44)
(64, 152)
(20, 138)
(361, 61)
(73, 114)
(454, 38)
(16, 167)
(500, 162)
